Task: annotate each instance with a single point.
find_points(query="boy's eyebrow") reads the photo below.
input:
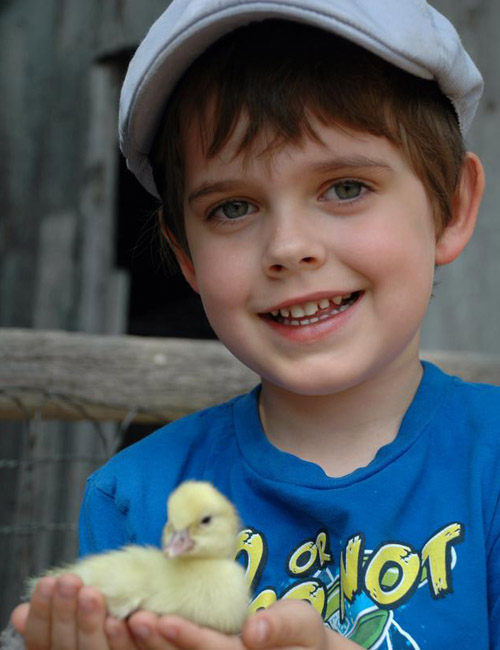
(210, 188)
(355, 161)
(344, 162)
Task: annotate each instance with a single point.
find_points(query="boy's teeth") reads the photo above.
(309, 308)
(297, 311)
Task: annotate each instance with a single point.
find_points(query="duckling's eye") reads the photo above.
(206, 520)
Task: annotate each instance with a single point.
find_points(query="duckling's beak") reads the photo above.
(179, 544)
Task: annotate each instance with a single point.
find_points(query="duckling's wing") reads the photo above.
(212, 592)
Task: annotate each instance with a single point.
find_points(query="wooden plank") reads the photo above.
(63, 375)
(74, 376)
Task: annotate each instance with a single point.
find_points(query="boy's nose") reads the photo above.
(289, 250)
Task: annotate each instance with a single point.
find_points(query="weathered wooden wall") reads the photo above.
(465, 313)
(60, 78)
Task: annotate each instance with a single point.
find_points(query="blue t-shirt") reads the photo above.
(400, 554)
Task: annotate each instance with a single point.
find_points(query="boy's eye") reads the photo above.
(346, 190)
(232, 210)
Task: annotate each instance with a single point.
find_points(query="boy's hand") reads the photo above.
(64, 615)
(292, 624)
(287, 625)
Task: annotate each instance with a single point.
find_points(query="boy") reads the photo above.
(312, 173)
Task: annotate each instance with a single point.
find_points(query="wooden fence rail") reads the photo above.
(74, 376)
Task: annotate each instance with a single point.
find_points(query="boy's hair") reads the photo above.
(279, 73)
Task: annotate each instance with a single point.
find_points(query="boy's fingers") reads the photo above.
(144, 630)
(184, 635)
(90, 617)
(64, 607)
(37, 624)
(290, 623)
(19, 616)
(118, 634)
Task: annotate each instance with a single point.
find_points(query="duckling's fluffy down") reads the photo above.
(203, 583)
(208, 591)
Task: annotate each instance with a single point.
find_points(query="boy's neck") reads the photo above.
(343, 431)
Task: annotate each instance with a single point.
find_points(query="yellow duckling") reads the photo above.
(194, 575)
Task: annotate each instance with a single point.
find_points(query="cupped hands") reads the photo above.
(65, 615)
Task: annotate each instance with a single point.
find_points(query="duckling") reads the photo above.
(193, 575)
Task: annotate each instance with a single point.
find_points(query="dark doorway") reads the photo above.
(161, 303)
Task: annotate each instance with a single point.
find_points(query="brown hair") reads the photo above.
(280, 72)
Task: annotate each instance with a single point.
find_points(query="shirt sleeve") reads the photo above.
(102, 525)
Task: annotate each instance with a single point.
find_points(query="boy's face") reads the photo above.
(315, 264)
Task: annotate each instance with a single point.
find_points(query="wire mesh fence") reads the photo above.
(42, 477)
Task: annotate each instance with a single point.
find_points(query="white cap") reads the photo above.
(408, 33)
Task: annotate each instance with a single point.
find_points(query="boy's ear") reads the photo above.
(465, 207)
(183, 259)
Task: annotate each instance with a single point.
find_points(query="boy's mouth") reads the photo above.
(313, 311)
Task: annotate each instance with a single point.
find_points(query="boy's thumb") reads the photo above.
(284, 624)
